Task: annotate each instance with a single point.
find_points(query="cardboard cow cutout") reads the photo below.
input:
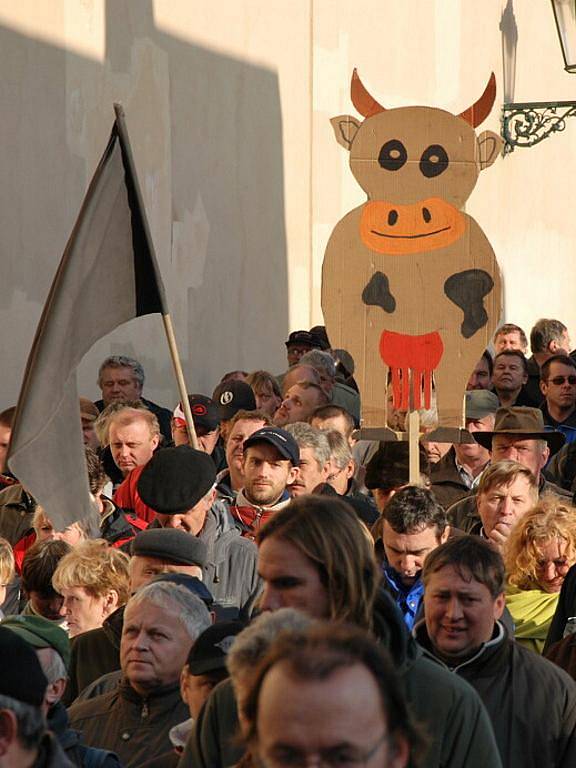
(410, 283)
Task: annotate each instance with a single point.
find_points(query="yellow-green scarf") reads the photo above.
(532, 611)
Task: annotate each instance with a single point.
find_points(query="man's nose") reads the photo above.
(454, 609)
(506, 507)
(270, 600)
(407, 562)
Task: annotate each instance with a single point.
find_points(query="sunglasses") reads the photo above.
(559, 380)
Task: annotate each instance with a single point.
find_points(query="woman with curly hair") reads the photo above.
(538, 554)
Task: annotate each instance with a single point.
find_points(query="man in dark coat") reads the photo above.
(531, 702)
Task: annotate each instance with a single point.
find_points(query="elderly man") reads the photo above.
(270, 463)
(531, 702)
(52, 648)
(155, 552)
(134, 435)
(459, 470)
(413, 525)
(314, 463)
(507, 491)
(179, 484)
(161, 622)
(24, 738)
(121, 380)
(558, 385)
(300, 703)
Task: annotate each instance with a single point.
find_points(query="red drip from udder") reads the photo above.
(419, 355)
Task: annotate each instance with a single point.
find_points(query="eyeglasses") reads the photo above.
(559, 380)
(346, 756)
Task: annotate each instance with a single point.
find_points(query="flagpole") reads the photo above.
(166, 319)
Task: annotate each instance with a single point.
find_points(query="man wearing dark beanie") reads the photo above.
(25, 740)
(179, 484)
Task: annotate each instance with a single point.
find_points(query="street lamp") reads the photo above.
(529, 123)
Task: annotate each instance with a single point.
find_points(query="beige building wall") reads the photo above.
(228, 105)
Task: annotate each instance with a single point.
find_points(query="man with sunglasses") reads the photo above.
(558, 385)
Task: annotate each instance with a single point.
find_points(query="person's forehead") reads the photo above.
(118, 373)
(508, 440)
(264, 451)
(559, 368)
(508, 336)
(146, 613)
(455, 579)
(518, 484)
(420, 534)
(136, 427)
(243, 428)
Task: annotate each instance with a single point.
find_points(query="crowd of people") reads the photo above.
(282, 596)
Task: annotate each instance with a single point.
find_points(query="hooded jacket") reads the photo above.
(531, 702)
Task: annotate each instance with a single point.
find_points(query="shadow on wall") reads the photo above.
(227, 189)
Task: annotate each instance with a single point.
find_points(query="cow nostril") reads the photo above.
(392, 217)
(426, 215)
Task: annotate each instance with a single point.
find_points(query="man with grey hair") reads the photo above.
(24, 738)
(121, 380)
(314, 463)
(548, 337)
(338, 392)
(161, 622)
(52, 648)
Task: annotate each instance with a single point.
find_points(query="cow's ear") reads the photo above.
(345, 128)
(489, 147)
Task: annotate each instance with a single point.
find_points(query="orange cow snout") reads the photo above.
(403, 229)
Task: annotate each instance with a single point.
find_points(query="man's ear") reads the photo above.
(8, 730)
(499, 605)
(445, 534)
(55, 691)
(183, 679)
(489, 147)
(292, 475)
(345, 129)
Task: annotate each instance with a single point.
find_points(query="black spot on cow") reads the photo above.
(467, 290)
(377, 293)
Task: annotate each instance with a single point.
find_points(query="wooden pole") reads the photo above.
(168, 328)
(413, 435)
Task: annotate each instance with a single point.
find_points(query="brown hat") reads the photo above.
(523, 422)
(88, 410)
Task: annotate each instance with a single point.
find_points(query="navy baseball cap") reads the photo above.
(283, 441)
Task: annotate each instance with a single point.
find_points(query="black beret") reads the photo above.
(175, 479)
(171, 546)
(21, 676)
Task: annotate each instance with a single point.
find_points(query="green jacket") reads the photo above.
(457, 724)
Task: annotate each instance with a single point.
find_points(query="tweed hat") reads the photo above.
(175, 479)
(522, 422)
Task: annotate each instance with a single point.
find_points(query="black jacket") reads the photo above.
(71, 741)
(531, 702)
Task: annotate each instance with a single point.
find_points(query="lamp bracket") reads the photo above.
(524, 125)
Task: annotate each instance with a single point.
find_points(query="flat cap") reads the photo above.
(21, 676)
(481, 403)
(299, 338)
(175, 479)
(171, 546)
(40, 633)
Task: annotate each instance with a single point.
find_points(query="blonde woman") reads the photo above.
(93, 579)
(538, 554)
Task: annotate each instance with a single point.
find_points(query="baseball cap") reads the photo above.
(282, 440)
(300, 337)
(210, 650)
(233, 396)
(204, 412)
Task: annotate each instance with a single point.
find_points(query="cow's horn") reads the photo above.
(364, 103)
(479, 111)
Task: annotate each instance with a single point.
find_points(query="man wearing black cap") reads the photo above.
(270, 463)
(179, 483)
(24, 739)
(231, 397)
(155, 551)
(52, 648)
(206, 417)
(297, 344)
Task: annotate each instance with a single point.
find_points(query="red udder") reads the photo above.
(419, 355)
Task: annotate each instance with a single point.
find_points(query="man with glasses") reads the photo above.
(558, 385)
(312, 687)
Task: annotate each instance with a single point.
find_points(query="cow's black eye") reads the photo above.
(434, 161)
(393, 155)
